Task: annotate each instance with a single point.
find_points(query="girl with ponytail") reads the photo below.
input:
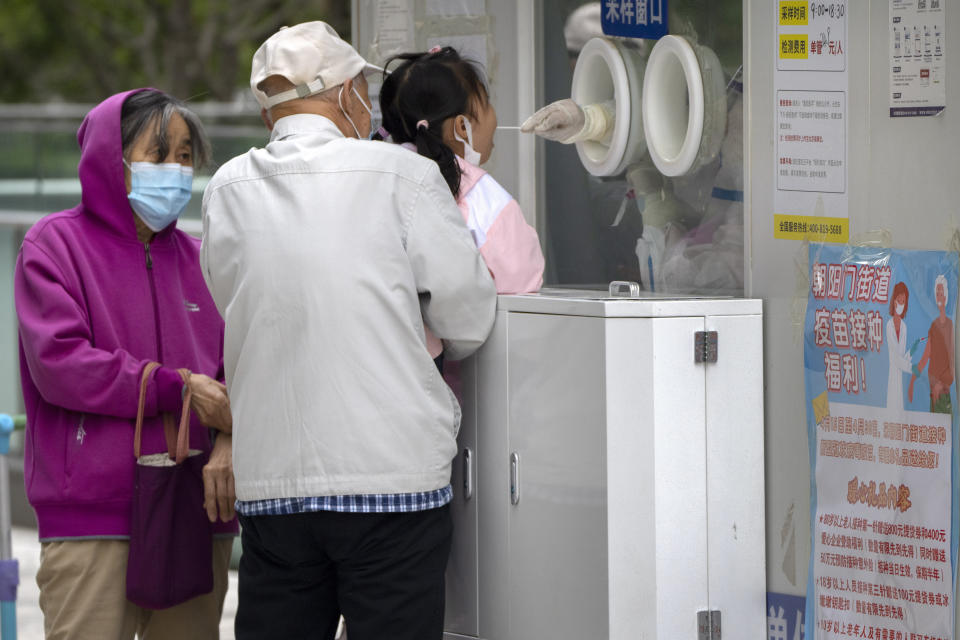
(437, 104)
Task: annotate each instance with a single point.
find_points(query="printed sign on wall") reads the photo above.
(785, 616)
(918, 57)
(880, 388)
(634, 18)
(810, 83)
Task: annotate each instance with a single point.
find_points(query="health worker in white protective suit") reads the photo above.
(682, 246)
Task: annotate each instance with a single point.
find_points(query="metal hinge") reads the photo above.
(705, 346)
(708, 625)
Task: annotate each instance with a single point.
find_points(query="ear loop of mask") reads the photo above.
(469, 153)
(349, 119)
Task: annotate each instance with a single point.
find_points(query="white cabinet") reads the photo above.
(617, 484)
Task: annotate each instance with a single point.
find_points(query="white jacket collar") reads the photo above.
(305, 123)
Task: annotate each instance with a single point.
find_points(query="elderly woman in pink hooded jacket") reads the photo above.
(102, 290)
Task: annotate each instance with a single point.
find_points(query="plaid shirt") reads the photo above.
(370, 503)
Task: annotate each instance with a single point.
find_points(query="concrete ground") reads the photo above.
(26, 549)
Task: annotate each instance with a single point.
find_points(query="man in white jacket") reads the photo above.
(325, 254)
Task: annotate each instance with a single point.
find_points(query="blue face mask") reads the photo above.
(159, 192)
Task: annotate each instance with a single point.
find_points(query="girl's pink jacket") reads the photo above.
(509, 245)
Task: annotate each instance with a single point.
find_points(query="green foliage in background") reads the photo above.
(85, 50)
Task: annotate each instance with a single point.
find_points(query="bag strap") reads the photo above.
(183, 433)
(178, 440)
(144, 378)
(170, 434)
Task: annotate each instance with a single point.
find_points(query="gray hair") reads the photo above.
(941, 280)
(146, 109)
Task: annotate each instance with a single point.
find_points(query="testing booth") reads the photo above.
(610, 476)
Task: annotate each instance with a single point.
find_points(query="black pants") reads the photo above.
(383, 572)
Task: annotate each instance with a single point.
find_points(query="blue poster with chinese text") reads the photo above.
(881, 396)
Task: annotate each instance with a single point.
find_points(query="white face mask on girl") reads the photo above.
(469, 153)
(899, 309)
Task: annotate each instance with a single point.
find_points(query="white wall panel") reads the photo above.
(903, 177)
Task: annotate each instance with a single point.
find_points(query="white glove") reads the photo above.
(559, 121)
(566, 122)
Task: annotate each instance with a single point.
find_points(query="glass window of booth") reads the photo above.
(682, 234)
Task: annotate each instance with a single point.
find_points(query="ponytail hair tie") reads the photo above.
(435, 49)
(423, 123)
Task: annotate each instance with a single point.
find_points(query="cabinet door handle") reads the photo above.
(467, 474)
(514, 478)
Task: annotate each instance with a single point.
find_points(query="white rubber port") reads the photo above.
(673, 105)
(611, 71)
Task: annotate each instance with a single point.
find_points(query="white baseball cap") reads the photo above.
(310, 55)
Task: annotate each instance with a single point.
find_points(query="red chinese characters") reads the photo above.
(863, 283)
(848, 327)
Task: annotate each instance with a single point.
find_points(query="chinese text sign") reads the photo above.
(634, 18)
(880, 387)
(810, 85)
(918, 57)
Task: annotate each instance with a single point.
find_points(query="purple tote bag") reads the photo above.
(171, 541)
